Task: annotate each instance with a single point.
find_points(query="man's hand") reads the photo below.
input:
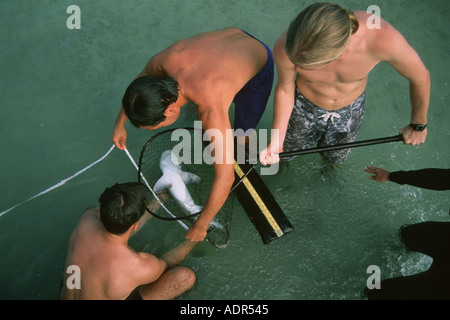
(196, 233)
(380, 174)
(412, 137)
(119, 137)
(269, 155)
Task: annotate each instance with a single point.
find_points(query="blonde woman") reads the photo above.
(323, 61)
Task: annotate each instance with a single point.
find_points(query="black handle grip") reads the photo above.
(341, 146)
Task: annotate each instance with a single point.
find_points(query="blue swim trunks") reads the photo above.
(250, 102)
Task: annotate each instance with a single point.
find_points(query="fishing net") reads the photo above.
(172, 163)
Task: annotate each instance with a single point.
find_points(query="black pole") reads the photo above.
(341, 146)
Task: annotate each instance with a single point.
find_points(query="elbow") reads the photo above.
(422, 79)
(232, 179)
(227, 177)
(426, 77)
(285, 88)
(229, 180)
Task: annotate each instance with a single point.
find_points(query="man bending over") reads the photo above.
(212, 70)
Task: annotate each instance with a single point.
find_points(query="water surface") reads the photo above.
(61, 91)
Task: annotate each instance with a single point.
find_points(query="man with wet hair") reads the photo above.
(323, 61)
(212, 70)
(111, 270)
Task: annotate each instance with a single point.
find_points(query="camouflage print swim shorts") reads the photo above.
(310, 125)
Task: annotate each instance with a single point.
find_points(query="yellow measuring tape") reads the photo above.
(258, 201)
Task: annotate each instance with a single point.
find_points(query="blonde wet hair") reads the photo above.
(319, 34)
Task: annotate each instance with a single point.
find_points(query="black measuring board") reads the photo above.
(259, 204)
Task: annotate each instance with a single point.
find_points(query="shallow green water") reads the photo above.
(61, 91)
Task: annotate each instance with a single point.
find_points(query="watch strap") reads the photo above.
(418, 126)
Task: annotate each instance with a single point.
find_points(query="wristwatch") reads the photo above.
(418, 127)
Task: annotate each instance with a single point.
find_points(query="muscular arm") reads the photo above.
(215, 121)
(284, 98)
(152, 267)
(175, 256)
(391, 47)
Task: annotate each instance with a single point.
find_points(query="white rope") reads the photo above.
(62, 182)
(59, 184)
(153, 192)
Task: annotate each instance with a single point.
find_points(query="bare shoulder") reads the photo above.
(89, 218)
(87, 226)
(127, 271)
(148, 267)
(146, 258)
(285, 67)
(155, 66)
(368, 26)
(92, 212)
(279, 51)
(382, 41)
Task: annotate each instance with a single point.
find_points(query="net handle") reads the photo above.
(341, 146)
(355, 144)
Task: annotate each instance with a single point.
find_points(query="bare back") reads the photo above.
(211, 67)
(109, 268)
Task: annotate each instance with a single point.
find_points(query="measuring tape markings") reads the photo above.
(258, 201)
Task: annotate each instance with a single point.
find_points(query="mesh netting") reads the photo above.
(179, 165)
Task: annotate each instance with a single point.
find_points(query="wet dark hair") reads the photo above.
(122, 205)
(147, 98)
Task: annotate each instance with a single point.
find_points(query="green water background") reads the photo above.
(61, 91)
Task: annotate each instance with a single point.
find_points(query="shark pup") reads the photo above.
(175, 180)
